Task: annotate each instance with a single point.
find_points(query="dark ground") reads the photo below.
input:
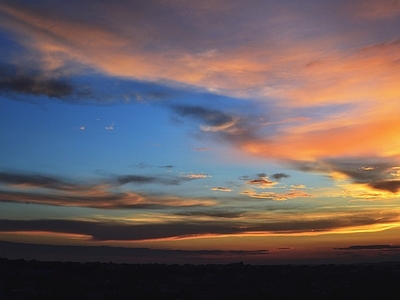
(20, 279)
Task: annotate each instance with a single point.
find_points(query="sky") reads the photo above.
(201, 131)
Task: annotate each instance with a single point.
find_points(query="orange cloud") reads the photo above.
(275, 63)
(378, 136)
(277, 196)
(103, 200)
(352, 77)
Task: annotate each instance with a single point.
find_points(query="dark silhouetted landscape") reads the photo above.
(22, 279)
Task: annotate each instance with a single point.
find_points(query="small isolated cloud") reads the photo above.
(194, 176)
(167, 167)
(367, 168)
(231, 127)
(262, 182)
(279, 176)
(213, 120)
(221, 189)
(202, 149)
(82, 128)
(111, 127)
(298, 186)
(141, 166)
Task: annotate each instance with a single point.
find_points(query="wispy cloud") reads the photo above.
(194, 176)
(277, 196)
(221, 189)
(215, 213)
(38, 181)
(103, 199)
(234, 128)
(167, 167)
(39, 189)
(141, 165)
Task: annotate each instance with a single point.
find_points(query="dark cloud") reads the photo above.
(262, 181)
(12, 82)
(139, 179)
(104, 194)
(378, 173)
(233, 128)
(19, 83)
(369, 247)
(326, 224)
(35, 180)
(51, 182)
(121, 254)
(167, 167)
(279, 176)
(208, 116)
(103, 231)
(117, 231)
(388, 185)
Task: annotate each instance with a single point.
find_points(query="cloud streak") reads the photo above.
(370, 247)
(277, 196)
(28, 188)
(105, 231)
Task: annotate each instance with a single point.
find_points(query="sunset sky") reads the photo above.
(262, 131)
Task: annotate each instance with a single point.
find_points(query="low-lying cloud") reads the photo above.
(112, 230)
